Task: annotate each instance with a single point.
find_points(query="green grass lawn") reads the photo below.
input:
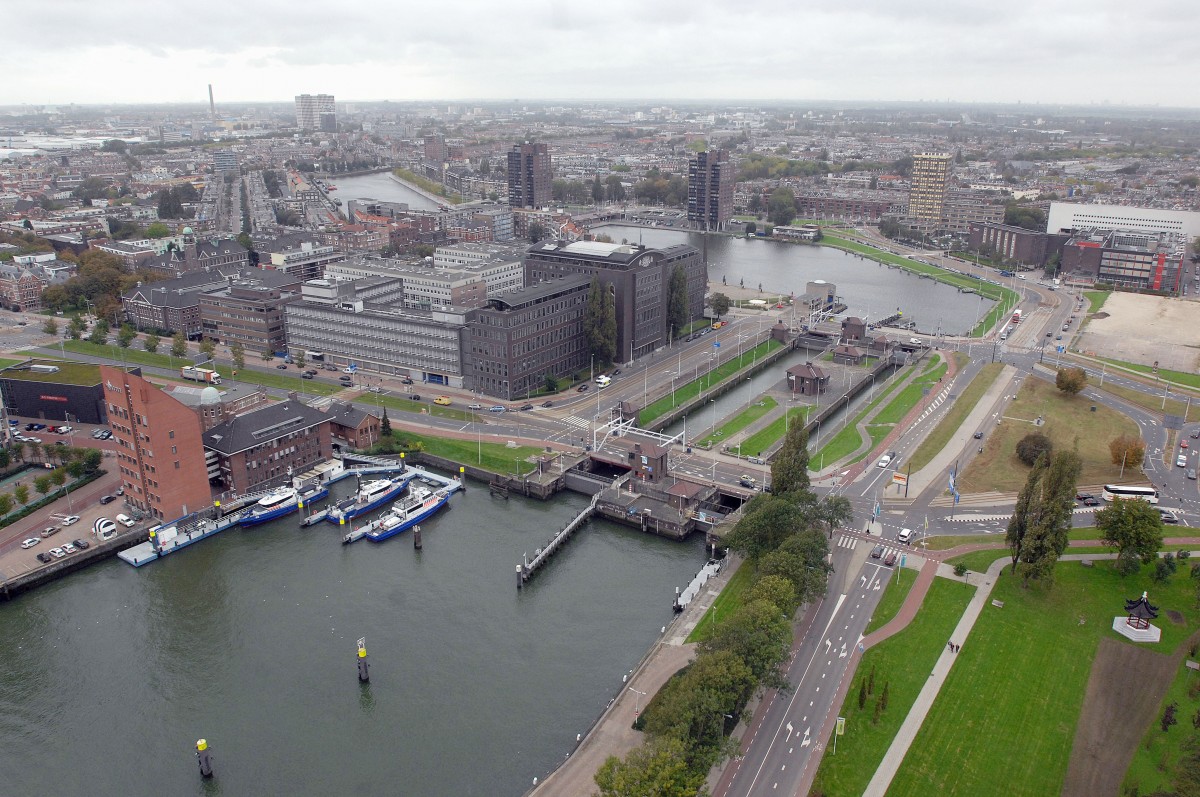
(1173, 406)
(1005, 719)
(1068, 423)
(1096, 299)
(848, 440)
(903, 662)
(1179, 377)
(893, 598)
(980, 561)
(729, 601)
(767, 436)
(904, 401)
(5, 362)
(406, 405)
(1154, 763)
(495, 457)
(689, 391)
(740, 422)
(954, 417)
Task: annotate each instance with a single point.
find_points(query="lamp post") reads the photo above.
(636, 701)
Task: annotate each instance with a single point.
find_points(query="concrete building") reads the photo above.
(638, 279)
(225, 160)
(434, 149)
(1132, 260)
(377, 336)
(962, 208)
(860, 205)
(302, 259)
(171, 306)
(523, 336)
(1024, 247)
(265, 448)
(316, 112)
(53, 389)
(529, 176)
(1069, 216)
(246, 312)
(159, 450)
(927, 193)
(711, 177)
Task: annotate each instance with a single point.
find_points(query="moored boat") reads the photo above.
(369, 496)
(420, 504)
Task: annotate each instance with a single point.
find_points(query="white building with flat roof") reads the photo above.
(1075, 216)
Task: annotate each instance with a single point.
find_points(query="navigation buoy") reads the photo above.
(417, 537)
(204, 758)
(364, 673)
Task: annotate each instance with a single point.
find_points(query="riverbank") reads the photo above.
(424, 187)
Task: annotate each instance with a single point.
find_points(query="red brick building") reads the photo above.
(264, 448)
(160, 453)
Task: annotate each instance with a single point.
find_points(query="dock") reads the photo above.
(528, 567)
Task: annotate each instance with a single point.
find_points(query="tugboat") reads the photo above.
(418, 505)
(370, 496)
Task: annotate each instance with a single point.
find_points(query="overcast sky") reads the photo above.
(1071, 51)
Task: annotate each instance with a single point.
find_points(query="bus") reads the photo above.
(603, 381)
(1016, 317)
(1114, 491)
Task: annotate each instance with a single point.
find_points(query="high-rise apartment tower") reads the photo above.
(316, 112)
(710, 189)
(529, 176)
(927, 194)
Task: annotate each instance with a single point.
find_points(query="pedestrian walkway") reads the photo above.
(916, 716)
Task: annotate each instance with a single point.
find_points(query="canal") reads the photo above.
(382, 186)
(109, 676)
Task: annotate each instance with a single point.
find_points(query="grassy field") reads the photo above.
(980, 561)
(893, 598)
(427, 185)
(728, 601)
(1096, 299)
(954, 417)
(6, 362)
(495, 457)
(848, 440)
(903, 662)
(685, 393)
(1068, 423)
(740, 422)
(1173, 406)
(899, 406)
(766, 437)
(1005, 719)
(1157, 757)
(407, 405)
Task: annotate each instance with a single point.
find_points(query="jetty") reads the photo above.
(528, 567)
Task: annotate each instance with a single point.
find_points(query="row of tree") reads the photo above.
(784, 537)
(75, 463)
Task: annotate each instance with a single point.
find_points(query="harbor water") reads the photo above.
(109, 676)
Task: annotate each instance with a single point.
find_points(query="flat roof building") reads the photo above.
(1074, 216)
(929, 184)
(529, 176)
(711, 177)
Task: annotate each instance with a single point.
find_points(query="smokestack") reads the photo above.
(212, 106)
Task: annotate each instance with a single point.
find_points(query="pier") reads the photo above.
(527, 568)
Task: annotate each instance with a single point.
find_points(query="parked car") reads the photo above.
(616, 372)
(1196, 434)
(29, 543)
(406, 381)
(120, 491)
(526, 407)
(107, 499)
(891, 559)
(69, 548)
(877, 552)
(125, 521)
(348, 370)
(345, 379)
(44, 557)
(329, 367)
(57, 553)
(81, 544)
(1183, 443)
(1191, 474)
(414, 397)
(46, 532)
(282, 366)
(105, 435)
(978, 435)
(311, 371)
(443, 400)
(746, 481)
(582, 388)
(306, 375)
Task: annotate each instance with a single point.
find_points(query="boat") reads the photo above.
(281, 502)
(370, 496)
(420, 503)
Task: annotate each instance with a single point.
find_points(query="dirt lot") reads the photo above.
(1143, 329)
(1115, 715)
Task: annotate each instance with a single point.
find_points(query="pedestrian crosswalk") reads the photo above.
(850, 543)
(577, 422)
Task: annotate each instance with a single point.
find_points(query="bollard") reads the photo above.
(519, 582)
(417, 537)
(204, 757)
(364, 674)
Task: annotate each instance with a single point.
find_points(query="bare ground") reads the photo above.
(1125, 687)
(1144, 329)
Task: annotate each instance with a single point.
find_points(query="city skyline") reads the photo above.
(863, 51)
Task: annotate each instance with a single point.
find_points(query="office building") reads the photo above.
(53, 389)
(529, 176)
(1128, 259)
(927, 192)
(638, 278)
(1015, 244)
(265, 448)
(316, 112)
(1071, 216)
(159, 450)
(711, 177)
(246, 312)
(225, 160)
(171, 306)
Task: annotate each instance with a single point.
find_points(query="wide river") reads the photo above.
(109, 676)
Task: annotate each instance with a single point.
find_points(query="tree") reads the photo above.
(760, 635)
(750, 228)
(50, 327)
(42, 484)
(1071, 380)
(1135, 529)
(776, 589)
(768, 521)
(1127, 449)
(1029, 217)
(677, 300)
(600, 322)
(151, 342)
(158, 230)
(614, 188)
(781, 208)
(21, 494)
(720, 304)
(537, 231)
(385, 427)
(1032, 446)
(6, 504)
(597, 190)
(59, 477)
(801, 560)
(551, 383)
(692, 706)
(91, 460)
(99, 333)
(1037, 532)
(125, 335)
(657, 768)
(114, 145)
(179, 345)
(237, 353)
(789, 467)
(298, 359)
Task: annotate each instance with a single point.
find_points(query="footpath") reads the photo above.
(613, 733)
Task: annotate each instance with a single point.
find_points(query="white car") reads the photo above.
(69, 519)
(883, 461)
(29, 543)
(57, 553)
(125, 521)
(905, 535)
(1181, 461)
(69, 548)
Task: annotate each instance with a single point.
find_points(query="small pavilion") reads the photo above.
(1136, 624)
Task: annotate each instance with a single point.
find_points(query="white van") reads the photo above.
(904, 536)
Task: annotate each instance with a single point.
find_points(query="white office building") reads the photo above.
(1075, 216)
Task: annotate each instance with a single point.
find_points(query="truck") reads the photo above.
(1016, 317)
(206, 375)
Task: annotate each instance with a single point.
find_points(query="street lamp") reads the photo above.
(636, 701)
(749, 391)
